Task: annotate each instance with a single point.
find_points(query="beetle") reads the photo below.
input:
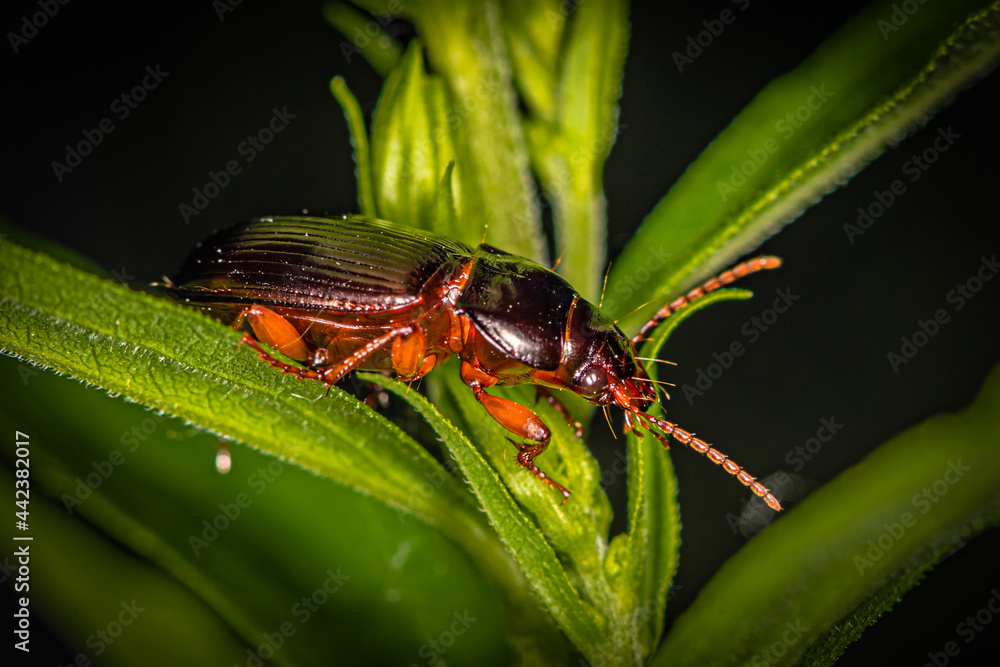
(352, 293)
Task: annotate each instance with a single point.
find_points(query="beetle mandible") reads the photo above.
(353, 293)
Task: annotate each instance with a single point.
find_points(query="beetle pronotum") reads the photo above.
(344, 294)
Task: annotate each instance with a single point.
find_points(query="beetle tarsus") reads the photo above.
(526, 458)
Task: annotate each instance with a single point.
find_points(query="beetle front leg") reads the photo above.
(517, 419)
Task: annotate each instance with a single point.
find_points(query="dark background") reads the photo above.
(825, 358)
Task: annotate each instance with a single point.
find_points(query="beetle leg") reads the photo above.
(546, 393)
(517, 419)
(333, 374)
(273, 330)
(408, 353)
(720, 280)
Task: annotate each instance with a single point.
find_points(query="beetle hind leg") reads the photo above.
(526, 457)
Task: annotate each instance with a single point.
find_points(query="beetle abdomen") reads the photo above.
(351, 265)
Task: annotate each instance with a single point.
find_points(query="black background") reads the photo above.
(826, 357)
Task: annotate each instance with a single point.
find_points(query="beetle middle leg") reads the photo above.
(328, 375)
(517, 419)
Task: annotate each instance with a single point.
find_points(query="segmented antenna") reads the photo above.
(713, 455)
(724, 278)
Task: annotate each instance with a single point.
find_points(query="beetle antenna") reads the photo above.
(608, 419)
(659, 361)
(604, 287)
(657, 384)
(713, 455)
(721, 280)
(663, 382)
(558, 261)
(634, 310)
(486, 228)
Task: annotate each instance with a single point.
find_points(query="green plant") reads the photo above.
(594, 593)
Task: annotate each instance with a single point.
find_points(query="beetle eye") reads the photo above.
(592, 383)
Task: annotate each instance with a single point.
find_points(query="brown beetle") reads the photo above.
(353, 293)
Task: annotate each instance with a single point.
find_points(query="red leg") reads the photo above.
(724, 278)
(517, 419)
(274, 330)
(332, 374)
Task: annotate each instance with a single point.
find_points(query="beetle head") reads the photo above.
(599, 362)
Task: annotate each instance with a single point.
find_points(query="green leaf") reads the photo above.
(172, 358)
(412, 147)
(359, 140)
(575, 530)
(366, 36)
(177, 360)
(533, 31)
(230, 555)
(465, 47)
(569, 144)
(165, 619)
(534, 556)
(763, 170)
(831, 566)
(641, 563)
